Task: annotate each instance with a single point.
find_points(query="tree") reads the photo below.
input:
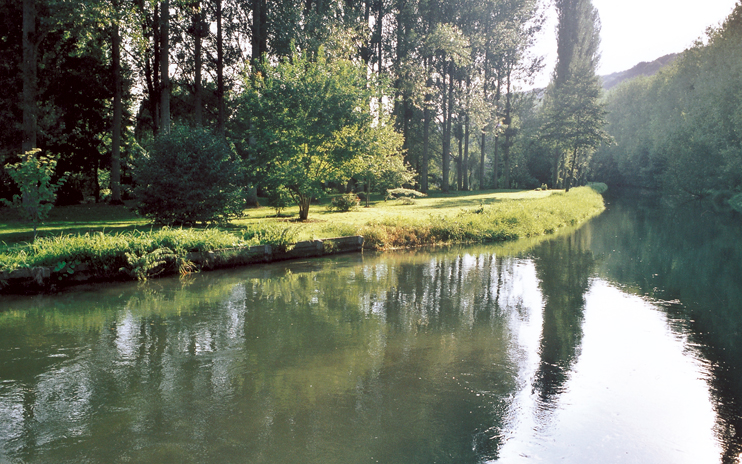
(575, 115)
(165, 65)
(33, 176)
(312, 120)
(189, 176)
(29, 71)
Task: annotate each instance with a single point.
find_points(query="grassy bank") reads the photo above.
(116, 239)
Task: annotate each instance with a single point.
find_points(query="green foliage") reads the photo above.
(189, 176)
(599, 187)
(575, 115)
(106, 253)
(33, 176)
(307, 121)
(344, 202)
(279, 237)
(279, 198)
(679, 129)
(146, 264)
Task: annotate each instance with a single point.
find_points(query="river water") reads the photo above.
(617, 343)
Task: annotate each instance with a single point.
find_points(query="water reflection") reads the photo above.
(688, 258)
(464, 355)
(407, 358)
(564, 268)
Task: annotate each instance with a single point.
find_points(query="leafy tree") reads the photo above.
(189, 176)
(574, 111)
(311, 121)
(679, 129)
(33, 176)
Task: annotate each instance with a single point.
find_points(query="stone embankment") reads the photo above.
(39, 279)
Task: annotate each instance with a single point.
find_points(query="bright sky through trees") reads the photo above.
(641, 30)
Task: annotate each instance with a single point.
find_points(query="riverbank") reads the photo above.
(51, 262)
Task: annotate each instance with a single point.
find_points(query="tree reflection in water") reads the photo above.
(413, 357)
(564, 267)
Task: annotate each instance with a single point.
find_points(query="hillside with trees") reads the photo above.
(642, 69)
(681, 129)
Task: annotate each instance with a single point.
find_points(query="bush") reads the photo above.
(599, 187)
(189, 176)
(345, 202)
(279, 237)
(33, 176)
(402, 193)
(279, 198)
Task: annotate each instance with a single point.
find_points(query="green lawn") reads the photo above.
(80, 219)
(109, 237)
(323, 223)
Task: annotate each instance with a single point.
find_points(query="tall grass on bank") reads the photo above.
(505, 220)
(109, 254)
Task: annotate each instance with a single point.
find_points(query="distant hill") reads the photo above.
(641, 69)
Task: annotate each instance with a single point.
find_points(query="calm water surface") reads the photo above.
(618, 343)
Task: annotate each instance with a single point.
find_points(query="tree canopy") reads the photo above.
(310, 120)
(94, 82)
(680, 129)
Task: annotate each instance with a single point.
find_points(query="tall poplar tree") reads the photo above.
(575, 115)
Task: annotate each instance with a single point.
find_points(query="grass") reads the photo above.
(110, 238)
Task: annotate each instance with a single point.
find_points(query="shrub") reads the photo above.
(279, 198)
(403, 193)
(189, 176)
(33, 176)
(345, 202)
(599, 187)
(279, 237)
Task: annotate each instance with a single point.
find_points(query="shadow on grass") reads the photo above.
(77, 219)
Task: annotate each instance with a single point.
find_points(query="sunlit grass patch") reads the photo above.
(436, 219)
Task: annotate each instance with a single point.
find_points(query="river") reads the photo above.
(616, 343)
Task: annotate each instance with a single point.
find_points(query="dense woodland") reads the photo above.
(681, 129)
(97, 81)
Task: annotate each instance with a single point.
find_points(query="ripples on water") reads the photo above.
(617, 343)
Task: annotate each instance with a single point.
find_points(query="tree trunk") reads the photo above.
(496, 160)
(446, 141)
(251, 199)
(496, 164)
(221, 110)
(555, 168)
(570, 176)
(426, 138)
(459, 166)
(30, 108)
(117, 116)
(483, 144)
(259, 30)
(165, 67)
(379, 31)
(466, 153)
(304, 207)
(198, 26)
(448, 111)
(508, 134)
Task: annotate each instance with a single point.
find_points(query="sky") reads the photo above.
(640, 30)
